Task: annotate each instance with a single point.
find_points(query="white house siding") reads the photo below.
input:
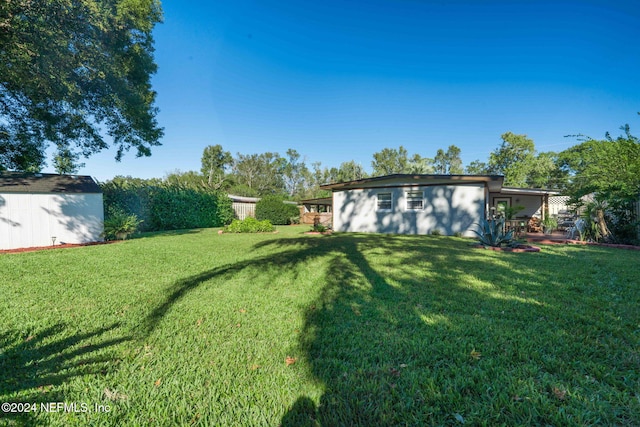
(449, 209)
(29, 220)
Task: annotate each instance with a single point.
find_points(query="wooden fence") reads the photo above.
(243, 210)
(324, 218)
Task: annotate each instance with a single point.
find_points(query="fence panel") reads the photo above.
(244, 210)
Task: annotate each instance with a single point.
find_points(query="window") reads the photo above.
(415, 200)
(384, 202)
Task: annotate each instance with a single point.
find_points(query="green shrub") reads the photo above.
(295, 219)
(177, 208)
(436, 232)
(163, 206)
(119, 225)
(131, 196)
(275, 210)
(250, 225)
(319, 228)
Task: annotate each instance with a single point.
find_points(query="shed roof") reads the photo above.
(43, 183)
(243, 199)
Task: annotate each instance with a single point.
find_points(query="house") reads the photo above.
(46, 209)
(422, 204)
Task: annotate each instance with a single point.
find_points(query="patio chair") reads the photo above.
(576, 230)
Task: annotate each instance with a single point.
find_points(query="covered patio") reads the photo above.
(522, 208)
(316, 211)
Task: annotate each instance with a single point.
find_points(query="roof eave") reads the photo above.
(493, 181)
(529, 191)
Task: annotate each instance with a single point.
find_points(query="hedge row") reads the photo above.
(274, 209)
(165, 207)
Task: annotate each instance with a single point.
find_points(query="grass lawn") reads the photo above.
(289, 329)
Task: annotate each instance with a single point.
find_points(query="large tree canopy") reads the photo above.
(390, 161)
(348, 171)
(73, 72)
(214, 164)
(513, 159)
(610, 167)
(448, 162)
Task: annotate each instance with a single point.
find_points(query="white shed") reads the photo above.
(45, 209)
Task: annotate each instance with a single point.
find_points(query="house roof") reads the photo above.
(244, 199)
(21, 182)
(529, 191)
(319, 201)
(493, 181)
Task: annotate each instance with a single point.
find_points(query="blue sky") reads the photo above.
(340, 80)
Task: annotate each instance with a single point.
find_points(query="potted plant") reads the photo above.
(120, 225)
(549, 224)
(511, 211)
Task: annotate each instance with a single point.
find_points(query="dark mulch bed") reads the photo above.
(517, 249)
(60, 246)
(546, 240)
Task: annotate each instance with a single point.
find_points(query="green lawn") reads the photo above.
(195, 328)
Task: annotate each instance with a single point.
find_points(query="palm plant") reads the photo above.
(491, 233)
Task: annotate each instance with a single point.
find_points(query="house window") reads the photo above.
(415, 200)
(384, 202)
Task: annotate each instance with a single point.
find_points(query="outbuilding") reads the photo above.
(38, 209)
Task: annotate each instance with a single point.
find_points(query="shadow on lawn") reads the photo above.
(30, 366)
(392, 336)
(376, 334)
(395, 344)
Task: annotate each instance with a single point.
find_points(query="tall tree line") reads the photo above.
(261, 174)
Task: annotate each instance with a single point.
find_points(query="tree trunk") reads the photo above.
(602, 224)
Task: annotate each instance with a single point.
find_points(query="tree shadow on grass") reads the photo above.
(360, 336)
(283, 260)
(408, 331)
(31, 366)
